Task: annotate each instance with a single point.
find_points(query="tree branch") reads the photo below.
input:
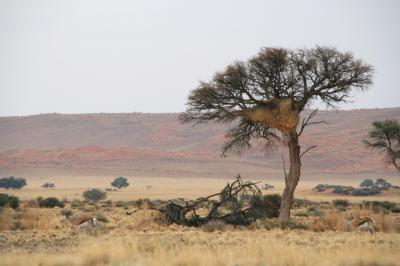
(307, 150)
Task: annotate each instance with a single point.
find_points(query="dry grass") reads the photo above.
(243, 247)
(147, 238)
(6, 219)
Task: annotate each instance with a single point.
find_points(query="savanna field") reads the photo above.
(36, 235)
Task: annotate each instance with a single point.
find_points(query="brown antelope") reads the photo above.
(85, 224)
(363, 223)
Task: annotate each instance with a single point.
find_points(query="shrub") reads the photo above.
(341, 202)
(48, 185)
(367, 183)
(120, 182)
(12, 182)
(94, 195)
(9, 200)
(75, 203)
(51, 202)
(269, 205)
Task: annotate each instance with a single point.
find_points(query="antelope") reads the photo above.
(363, 224)
(89, 222)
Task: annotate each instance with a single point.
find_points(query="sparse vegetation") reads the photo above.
(367, 188)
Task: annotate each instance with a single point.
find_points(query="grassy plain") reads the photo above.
(43, 238)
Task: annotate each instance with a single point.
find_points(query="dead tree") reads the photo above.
(227, 207)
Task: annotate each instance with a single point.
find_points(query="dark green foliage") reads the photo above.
(385, 137)
(48, 185)
(367, 188)
(120, 182)
(267, 205)
(340, 203)
(94, 195)
(12, 182)
(50, 202)
(367, 183)
(9, 200)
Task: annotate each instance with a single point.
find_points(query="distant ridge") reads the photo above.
(162, 143)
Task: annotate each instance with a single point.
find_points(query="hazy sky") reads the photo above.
(145, 56)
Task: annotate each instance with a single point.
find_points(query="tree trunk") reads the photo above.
(292, 178)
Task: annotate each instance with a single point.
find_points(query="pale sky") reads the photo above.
(145, 56)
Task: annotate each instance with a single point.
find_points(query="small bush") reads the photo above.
(48, 185)
(94, 195)
(268, 205)
(76, 203)
(9, 200)
(51, 202)
(340, 203)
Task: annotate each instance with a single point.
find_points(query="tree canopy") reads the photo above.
(12, 182)
(302, 75)
(385, 137)
(120, 182)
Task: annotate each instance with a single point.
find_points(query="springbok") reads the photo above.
(363, 223)
(85, 224)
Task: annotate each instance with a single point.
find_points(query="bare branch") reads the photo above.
(307, 150)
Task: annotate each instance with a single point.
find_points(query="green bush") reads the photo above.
(94, 195)
(268, 205)
(367, 183)
(9, 200)
(120, 182)
(50, 202)
(12, 182)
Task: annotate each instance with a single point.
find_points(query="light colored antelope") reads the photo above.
(363, 223)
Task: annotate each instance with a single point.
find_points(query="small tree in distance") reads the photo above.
(120, 182)
(12, 182)
(94, 195)
(367, 183)
(48, 185)
(385, 137)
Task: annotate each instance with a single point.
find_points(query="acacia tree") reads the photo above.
(385, 137)
(266, 94)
